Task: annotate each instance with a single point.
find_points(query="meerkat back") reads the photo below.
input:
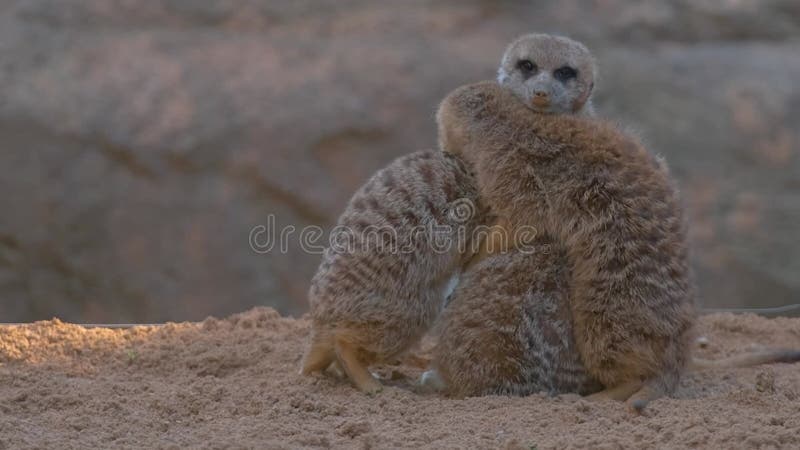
(400, 240)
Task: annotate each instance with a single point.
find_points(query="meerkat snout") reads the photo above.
(549, 74)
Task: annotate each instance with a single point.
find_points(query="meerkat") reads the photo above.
(571, 180)
(564, 89)
(598, 193)
(405, 232)
(508, 329)
(520, 341)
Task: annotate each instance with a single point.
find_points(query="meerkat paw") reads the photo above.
(346, 354)
(618, 393)
(367, 383)
(371, 388)
(335, 370)
(641, 398)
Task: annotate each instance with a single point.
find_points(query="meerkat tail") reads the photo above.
(747, 359)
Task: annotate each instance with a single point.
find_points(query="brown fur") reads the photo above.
(611, 205)
(508, 328)
(498, 333)
(372, 302)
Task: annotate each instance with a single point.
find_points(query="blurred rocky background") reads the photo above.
(142, 141)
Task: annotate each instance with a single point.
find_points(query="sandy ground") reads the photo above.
(232, 383)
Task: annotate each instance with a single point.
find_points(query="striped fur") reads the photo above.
(381, 300)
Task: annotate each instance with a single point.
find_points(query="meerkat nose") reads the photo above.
(540, 99)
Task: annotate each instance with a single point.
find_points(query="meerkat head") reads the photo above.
(550, 74)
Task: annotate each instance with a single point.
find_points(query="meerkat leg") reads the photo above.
(619, 393)
(318, 358)
(347, 354)
(639, 400)
(652, 389)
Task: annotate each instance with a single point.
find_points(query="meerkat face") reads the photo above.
(550, 74)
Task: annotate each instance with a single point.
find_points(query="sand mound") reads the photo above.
(233, 383)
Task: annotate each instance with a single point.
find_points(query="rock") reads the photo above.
(143, 142)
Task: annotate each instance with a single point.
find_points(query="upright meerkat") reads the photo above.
(400, 240)
(550, 75)
(508, 328)
(599, 194)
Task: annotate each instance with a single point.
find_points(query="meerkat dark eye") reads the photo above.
(565, 73)
(526, 66)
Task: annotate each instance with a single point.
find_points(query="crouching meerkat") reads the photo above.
(600, 194)
(508, 328)
(400, 241)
